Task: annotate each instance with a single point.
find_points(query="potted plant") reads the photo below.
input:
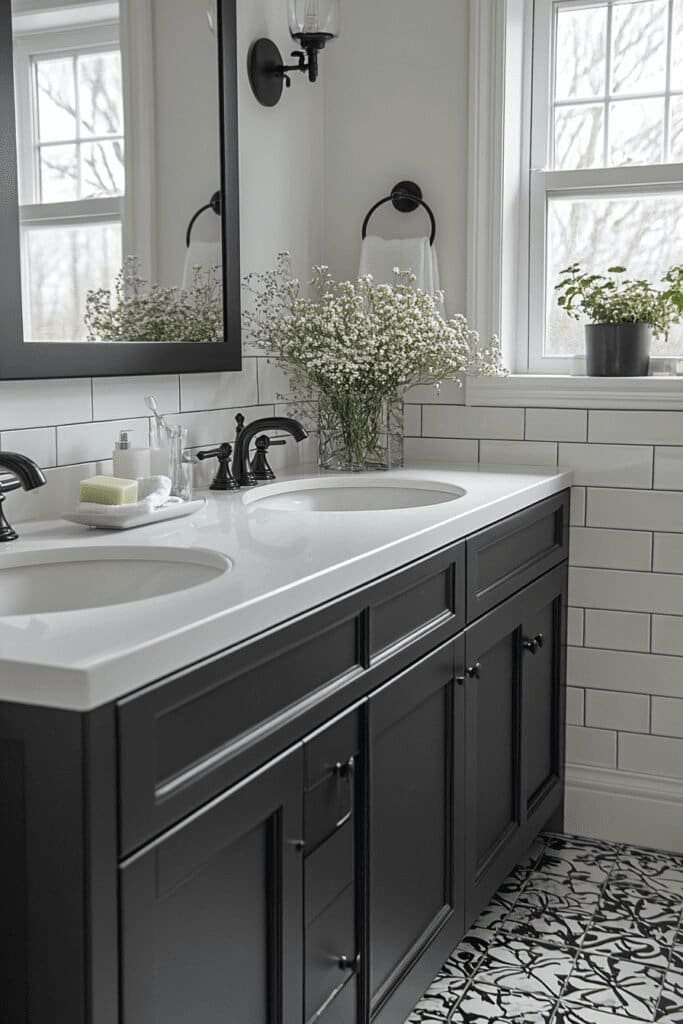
(351, 351)
(623, 315)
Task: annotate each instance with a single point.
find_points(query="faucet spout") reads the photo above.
(24, 473)
(240, 463)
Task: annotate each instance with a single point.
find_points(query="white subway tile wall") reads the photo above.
(69, 426)
(625, 630)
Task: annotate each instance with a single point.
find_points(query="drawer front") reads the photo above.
(417, 601)
(506, 557)
(187, 739)
(331, 937)
(329, 871)
(331, 769)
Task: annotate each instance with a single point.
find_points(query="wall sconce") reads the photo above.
(312, 23)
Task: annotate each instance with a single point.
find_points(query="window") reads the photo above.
(71, 171)
(606, 181)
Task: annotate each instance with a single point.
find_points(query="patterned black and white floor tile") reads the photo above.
(581, 932)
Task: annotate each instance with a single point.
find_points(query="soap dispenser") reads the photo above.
(130, 463)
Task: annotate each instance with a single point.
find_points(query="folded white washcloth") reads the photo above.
(380, 257)
(153, 494)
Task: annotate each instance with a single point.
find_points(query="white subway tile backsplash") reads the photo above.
(635, 427)
(116, 398)
(667, 635)
(651, 755)
(518, 453)
(624, 672)
(610, 549)
(90, 442)
(44, 403)
(669, 469)
(667, 716)
(40, 444)
(635, 510)
(556, 424)
(575, 704)
(600, 465)
(618, 631)
(413, 420)
(575, 618)
(57, 498)
(668, 553)
(449, 393)
(469, 422)
(597, 747)
(220, 390)
(440, 449)
(273, 382)
(626, 591)
(577, 507)
(217, 425)
(625, 712)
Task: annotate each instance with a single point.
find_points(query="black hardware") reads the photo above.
(259, 464)
(215, 204)
(26, 474)
(346, 769)
(246, 434)
(239, 420)
(474, 671)
(405, 197)
(349, 963)
(223, 480)
(534, 644)
(268, 74)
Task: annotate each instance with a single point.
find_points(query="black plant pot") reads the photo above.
(618, 350)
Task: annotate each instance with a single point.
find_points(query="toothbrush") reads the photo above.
(152, 405)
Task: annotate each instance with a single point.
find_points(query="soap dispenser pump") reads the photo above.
(130, 463)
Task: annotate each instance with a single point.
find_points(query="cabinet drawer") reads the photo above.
(329, 938)
(506, 557)
(329, 871)
(416, 601)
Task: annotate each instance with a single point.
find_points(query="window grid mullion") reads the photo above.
(77, 95)
(667, 98)
(608, 85)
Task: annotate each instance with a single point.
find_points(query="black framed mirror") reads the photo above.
(119, 188)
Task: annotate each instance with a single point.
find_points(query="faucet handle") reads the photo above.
(260, 466)
(239, 420)
(223, 480)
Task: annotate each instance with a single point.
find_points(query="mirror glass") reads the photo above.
(118, 143)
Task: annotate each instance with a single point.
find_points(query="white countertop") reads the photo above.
(283, 565)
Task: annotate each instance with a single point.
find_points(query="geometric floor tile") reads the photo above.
(581, 932)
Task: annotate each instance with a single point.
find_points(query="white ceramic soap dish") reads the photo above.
(117, 519)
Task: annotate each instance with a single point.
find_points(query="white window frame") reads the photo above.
(510, 47)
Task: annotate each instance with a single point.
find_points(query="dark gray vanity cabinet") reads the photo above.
(211, 923)
(416, 793)
(298, 830)
(514, 685)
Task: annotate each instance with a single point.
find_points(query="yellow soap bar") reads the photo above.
(109, 490)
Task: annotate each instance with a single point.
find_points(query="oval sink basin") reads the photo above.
(77, 579)
(349, 494)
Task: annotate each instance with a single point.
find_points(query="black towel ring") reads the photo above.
(215, 204)
(406, 197)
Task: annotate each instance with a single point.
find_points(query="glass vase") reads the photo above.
(360, 434)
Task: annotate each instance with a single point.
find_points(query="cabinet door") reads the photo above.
(212, 912)
(543, 698)
(493, 714)
(416, 762)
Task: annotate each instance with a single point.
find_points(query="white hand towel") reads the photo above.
(381, 256)
(205, 255)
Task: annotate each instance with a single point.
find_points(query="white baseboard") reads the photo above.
(624, 807)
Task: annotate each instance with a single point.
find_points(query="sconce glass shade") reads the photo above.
(311, 20)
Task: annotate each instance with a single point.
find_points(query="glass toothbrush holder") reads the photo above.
(180, 464)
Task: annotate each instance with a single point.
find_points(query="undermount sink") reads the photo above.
(352, 494)
(77, 579)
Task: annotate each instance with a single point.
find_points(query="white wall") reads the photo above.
(69, 426)
(396, 107)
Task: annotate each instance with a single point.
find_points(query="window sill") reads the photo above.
(566, 392)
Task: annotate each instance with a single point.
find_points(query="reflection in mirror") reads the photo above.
(118, 143)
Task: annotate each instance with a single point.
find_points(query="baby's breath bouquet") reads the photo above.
(355, 348)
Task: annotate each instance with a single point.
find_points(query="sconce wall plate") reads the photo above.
(265, 72)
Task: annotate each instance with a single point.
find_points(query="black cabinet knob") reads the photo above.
(346, 769)
(474, 671)
(349, 963)
(533, 645)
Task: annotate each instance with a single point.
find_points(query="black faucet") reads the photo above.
(27, 475)
(240, 464)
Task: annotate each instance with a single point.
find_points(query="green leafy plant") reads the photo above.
(136, 310)
(615, 299)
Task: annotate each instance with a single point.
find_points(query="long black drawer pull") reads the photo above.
(346, 769)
